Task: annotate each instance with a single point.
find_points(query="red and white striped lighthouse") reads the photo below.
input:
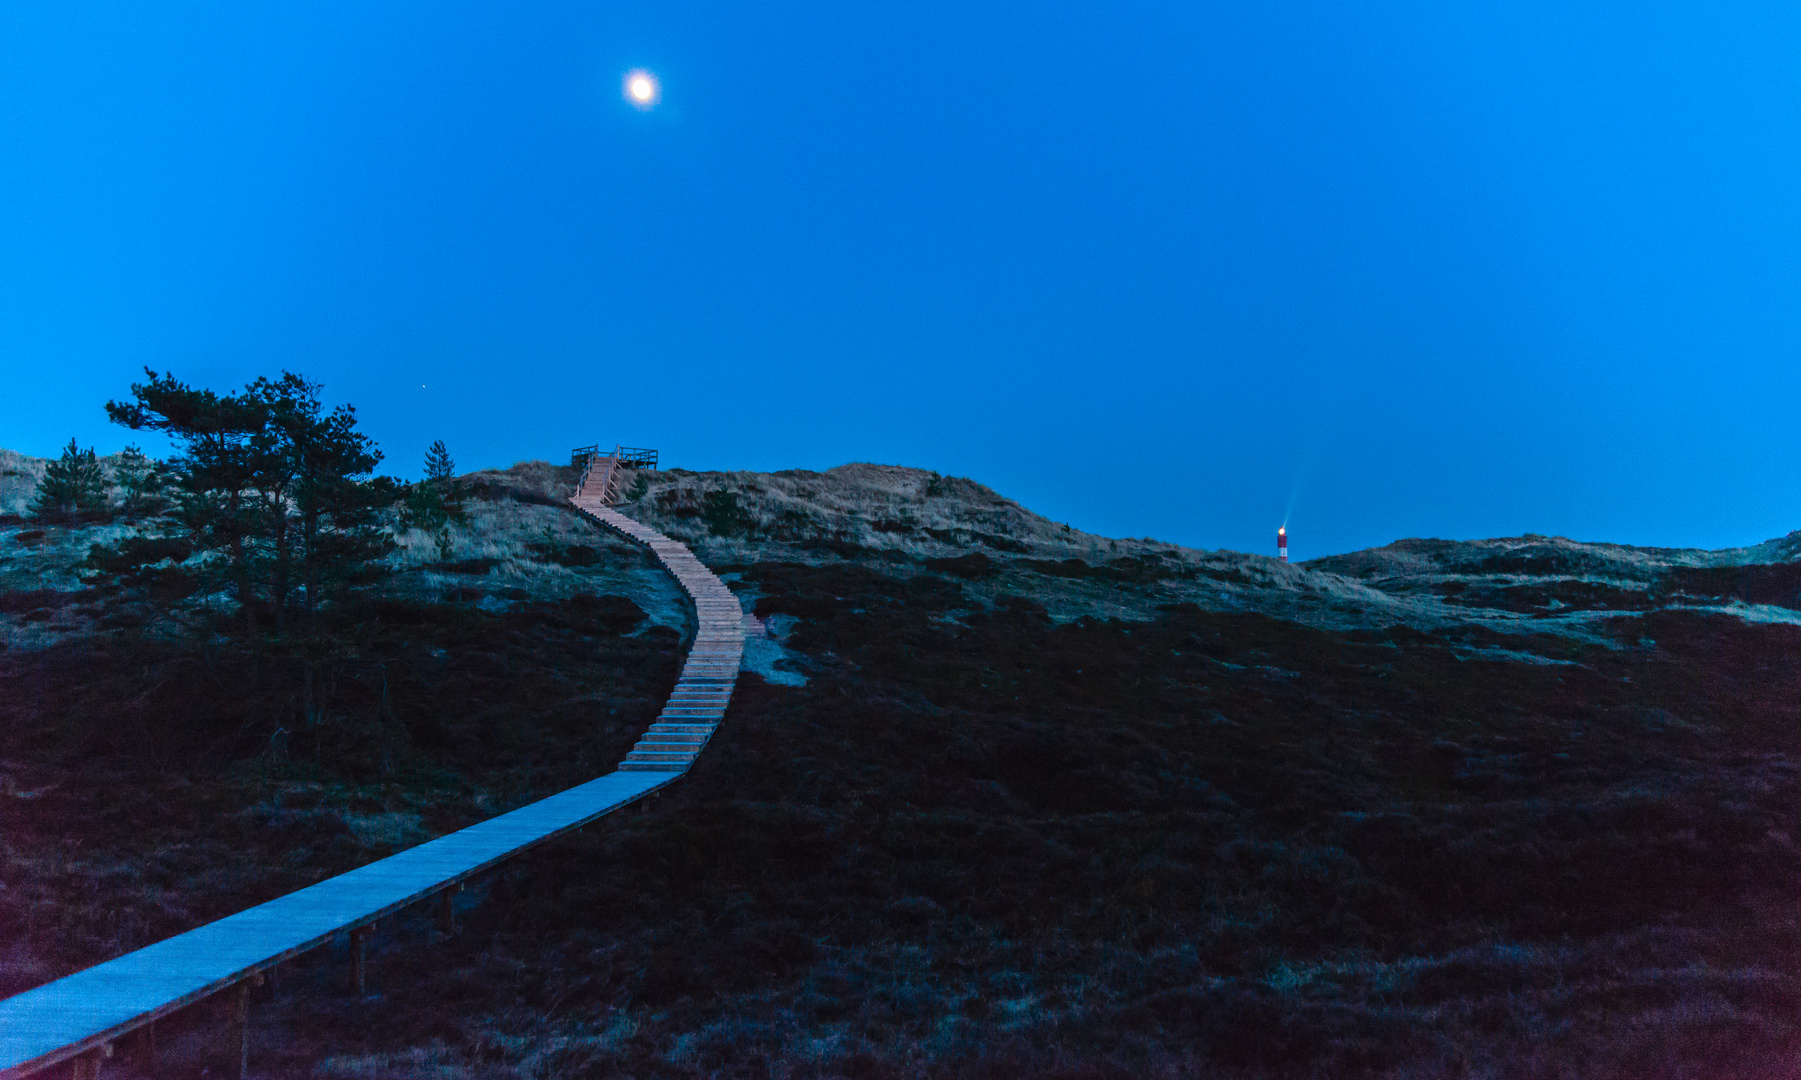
(1282, 544)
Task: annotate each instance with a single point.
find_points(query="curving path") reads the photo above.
(81, 1015)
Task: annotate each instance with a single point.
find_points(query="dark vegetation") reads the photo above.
(1130, 569)
(980, 844)
(147, 785)
(271, 494)
(723, 516)
(1778, 584)
(1769, 583)
(437, 502)
(73, 487)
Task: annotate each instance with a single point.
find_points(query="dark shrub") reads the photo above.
(470, 566)
(974, 565)
(613, 614)
(566, 554)
(724, 516)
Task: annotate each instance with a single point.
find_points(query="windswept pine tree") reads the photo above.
(271, 491)
(73, 484)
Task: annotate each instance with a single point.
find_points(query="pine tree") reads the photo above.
(216, 480)
(269, 486)
(435, 503)
(339, 514)
(438, 466)
(137, 478)
(72, 485)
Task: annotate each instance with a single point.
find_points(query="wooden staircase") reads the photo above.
(603, 479)
(699, 699)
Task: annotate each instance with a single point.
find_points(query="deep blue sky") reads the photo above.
(1177, 270)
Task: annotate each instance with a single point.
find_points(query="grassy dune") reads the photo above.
(1041, 804)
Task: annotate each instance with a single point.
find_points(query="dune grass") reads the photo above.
(1046, 805)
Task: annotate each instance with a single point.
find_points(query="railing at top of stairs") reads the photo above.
(609, 486)
(632, 457)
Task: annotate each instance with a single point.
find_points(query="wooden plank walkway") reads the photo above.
(698, 703)
(90, 1009)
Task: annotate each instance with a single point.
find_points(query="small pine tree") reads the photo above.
(438, 466)
(136, 477)
(436, 502)
(73, 484)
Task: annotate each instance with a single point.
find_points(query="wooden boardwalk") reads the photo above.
(84, 1013)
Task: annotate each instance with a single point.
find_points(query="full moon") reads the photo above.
(641, 89)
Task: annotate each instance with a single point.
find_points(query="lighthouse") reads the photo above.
(1282, 544)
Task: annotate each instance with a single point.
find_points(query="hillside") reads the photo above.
(997, 798)
(1518, 586)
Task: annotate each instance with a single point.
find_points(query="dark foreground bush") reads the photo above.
(983, 844)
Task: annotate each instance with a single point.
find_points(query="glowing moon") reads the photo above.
(641, 89)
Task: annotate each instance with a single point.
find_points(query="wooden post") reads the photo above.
(359, 940)
(243, 1019)
(447, 915)
(87, 1066)
(147, 1046)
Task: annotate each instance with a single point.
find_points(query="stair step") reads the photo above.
(710, 670)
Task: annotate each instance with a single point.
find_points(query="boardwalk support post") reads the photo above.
(447, 914)
(147, 1046)
(359, 942)
(243, 1025)
(87, 1066)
